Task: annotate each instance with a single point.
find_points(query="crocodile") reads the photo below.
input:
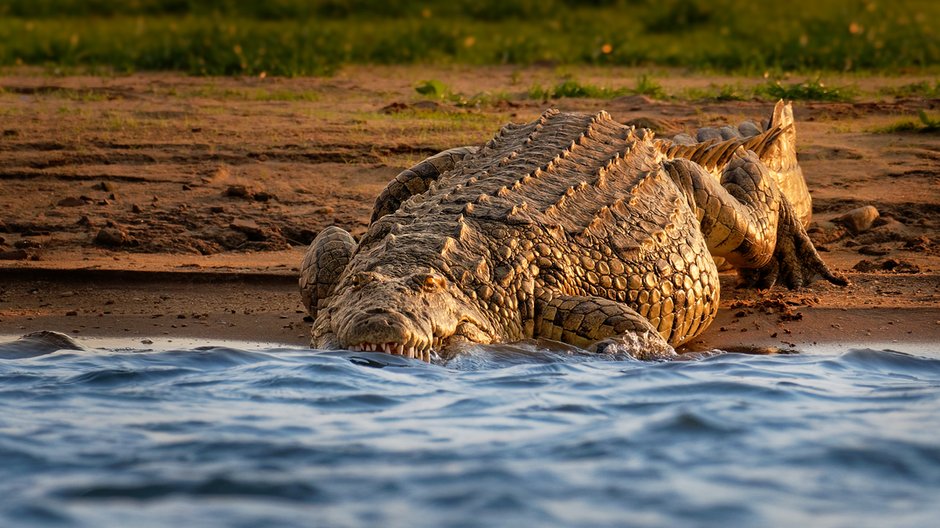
(574, 228)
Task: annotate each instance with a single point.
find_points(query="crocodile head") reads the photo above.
(411, 313)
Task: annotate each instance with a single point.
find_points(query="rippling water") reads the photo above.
(216, 436)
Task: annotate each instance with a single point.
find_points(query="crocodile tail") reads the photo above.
(780, 158)
(775, 146)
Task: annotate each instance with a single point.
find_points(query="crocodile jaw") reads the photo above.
(395, 349)
(386, 316)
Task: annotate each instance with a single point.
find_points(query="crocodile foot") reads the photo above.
(794, 263)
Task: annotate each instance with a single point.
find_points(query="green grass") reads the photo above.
(435, 89)
(923, 124)
(311, 37)
(814, 90)
(719, 92)
(571, 88)
(920, 89)
(645, 85)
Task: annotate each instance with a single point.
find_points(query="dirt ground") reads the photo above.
(157, 205)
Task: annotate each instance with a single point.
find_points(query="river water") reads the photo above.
(507, 436)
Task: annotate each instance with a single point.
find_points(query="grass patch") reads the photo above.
(435, 89)
(312, 37)
(923, 124)
(814, 90)
(570, 88)
(718, 92)
(645, 85)
(923, 89)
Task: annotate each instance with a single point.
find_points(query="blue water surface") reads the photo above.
(216, 436)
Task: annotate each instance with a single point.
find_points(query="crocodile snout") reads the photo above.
(383, 331)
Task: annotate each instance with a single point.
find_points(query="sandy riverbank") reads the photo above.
(207, 190)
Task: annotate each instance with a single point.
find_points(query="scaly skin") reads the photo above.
(572, 227)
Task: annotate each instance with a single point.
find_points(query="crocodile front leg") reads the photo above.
(326, 258)
(598, 324)
(416, 180)
(748, 221)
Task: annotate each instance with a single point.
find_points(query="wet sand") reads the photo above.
(159, 206)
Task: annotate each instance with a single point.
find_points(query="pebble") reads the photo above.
(249, 227)
(111, 236)
(237, 191)
(858, 220)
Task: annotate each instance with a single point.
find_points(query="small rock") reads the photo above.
(858, 220)
(707, 134)
(85, 221)
(393, 108)
(70, 201)
(326, 209)
(865, 266)
(146, 341)
(263, 196)
(683, 139)
(237, 191)
(136, 209)
(104, 202)
(71, 313)
(216, 209)
(249, 227)
(921, 243)
(900, 266)
(103, 186)
(112, 236)
(186, 187)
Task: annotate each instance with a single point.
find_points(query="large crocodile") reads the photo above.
(572, 227)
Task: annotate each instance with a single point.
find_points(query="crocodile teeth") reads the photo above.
(407, 350)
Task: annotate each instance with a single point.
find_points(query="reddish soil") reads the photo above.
(155, 204)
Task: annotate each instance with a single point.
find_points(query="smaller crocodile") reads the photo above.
(572, 227)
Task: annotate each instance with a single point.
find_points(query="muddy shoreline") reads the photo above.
(159, 205)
